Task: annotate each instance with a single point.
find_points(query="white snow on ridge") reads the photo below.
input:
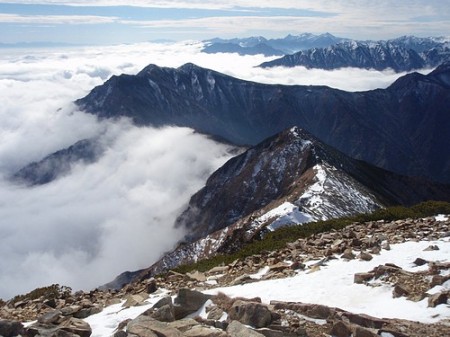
(441, 217)
(285, 214)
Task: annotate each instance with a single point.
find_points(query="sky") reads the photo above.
(131, 21)
(116, 214)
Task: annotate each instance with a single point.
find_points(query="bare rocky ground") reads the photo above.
(62, 315)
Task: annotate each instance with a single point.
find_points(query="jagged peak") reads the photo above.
(188, 67)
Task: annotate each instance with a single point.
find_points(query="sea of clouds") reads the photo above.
(116, 214)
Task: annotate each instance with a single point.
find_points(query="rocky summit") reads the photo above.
(201, 303)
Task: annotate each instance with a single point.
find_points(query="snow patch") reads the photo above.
(285, 214)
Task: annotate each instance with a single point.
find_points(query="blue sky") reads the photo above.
(129, 21)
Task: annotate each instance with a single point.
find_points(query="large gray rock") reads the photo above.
(188, 301)
(203, 331)
(76, 326)
(135, 300)
(237, 329)
(50, 317)
(145, 326)
(250, 313)
(10, 328)
(166, 313)
(340, 329)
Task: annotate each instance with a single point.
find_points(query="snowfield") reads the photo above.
(332, 286)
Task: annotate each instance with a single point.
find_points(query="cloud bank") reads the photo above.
(116, 214)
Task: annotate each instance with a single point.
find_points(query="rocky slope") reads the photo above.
(399, 55)
(146, 308)
(246, 113)
(288, 179)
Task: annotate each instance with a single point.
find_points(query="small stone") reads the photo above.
(420, 262)
(365, 256)
(348, 254)
(399, 291)
(152, 286)
(431, 248)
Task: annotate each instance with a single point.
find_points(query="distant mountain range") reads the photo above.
(270, 47)
(402, 54)
(403, 128)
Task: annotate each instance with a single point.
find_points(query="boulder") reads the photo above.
(241, 280)
(162, 302)
(188, 301)
(151, 286)
(145, 326)
(431, 248)
(250, 313)
(399, 291)
(439, 298)
(420, 262)
(363, 277)
(166, 313)
(135, 300)
(76, 326)
(340, 329)
(50, 317)
(365, 256)
(348, 254)
(196, 276)
(363, 332)
(204, 331)
(10, 328)
(237, 329)
(215, 313)
(183, 325)
(363, 320)
(86, 312)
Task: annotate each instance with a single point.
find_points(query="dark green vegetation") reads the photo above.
(47, 293)
(278, 239)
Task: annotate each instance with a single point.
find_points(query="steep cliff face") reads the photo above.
(401, 128)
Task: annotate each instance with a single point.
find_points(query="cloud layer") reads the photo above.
(116, 214)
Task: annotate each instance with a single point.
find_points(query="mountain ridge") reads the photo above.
(245, 113)
(399, 55)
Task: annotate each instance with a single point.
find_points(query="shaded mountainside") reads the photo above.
(397, 55)
(59, 163)
(402, 128)
(288, 179)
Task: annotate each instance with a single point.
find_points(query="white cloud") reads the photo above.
(116, 214)
(55, 19)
